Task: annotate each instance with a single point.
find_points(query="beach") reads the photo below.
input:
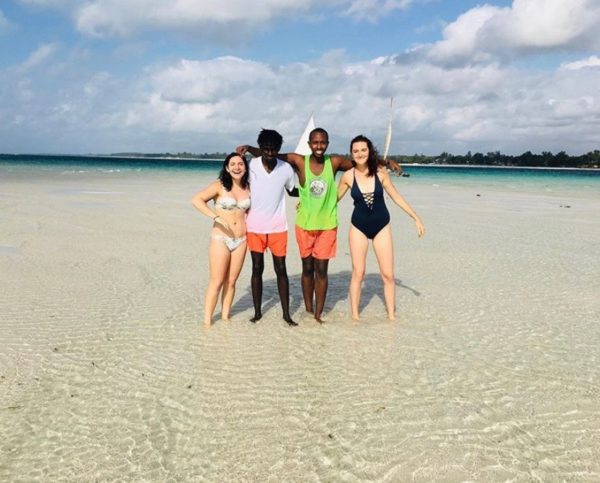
(489, 373)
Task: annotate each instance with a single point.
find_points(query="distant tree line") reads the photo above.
(528, 159)
(184, 155)
(544, 160)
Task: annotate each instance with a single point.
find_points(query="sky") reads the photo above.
(106, 76)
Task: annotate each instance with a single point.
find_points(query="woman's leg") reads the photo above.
(384, 251)
(218, 265)
(359, 244)
(235, 267)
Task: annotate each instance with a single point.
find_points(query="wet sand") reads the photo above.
(490, 372)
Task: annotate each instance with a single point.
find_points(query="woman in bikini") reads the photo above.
(227, 249)
(371, 220)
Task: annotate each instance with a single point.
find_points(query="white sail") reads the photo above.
(302, 147)
(388, 136)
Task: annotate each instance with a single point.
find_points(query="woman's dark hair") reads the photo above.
(269, 137)
(226, 179)
(373, 159)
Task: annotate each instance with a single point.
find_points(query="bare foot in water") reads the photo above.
(289, 321)
(320, 319)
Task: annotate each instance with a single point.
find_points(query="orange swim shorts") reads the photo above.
(276, 242)
(321, 244)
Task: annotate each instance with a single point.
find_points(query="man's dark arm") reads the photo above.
(245, 148)
(293, 192)
(394, 166)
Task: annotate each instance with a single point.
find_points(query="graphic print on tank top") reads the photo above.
(318, 187)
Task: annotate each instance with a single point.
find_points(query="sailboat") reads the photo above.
(388, 136)
(302, 147)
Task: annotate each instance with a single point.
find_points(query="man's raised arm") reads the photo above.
(344, 164)
(246, 148)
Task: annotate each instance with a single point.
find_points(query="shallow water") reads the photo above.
(490, 372)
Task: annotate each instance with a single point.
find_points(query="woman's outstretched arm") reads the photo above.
(397, 198)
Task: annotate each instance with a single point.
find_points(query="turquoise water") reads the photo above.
(484, 177)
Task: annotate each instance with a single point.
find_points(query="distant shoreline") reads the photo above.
(213, 159)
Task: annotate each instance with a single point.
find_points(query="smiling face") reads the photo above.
(236, 167)
(318, 143)
(360, 152)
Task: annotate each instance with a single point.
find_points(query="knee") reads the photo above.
(258, 269)
(358, 275)
(308, 271)
(308, 266)
(215, 284)
(280, 272)
(321, 274)
(388, 277)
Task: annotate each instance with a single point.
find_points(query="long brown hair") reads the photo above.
(226, 179)
(373, 159)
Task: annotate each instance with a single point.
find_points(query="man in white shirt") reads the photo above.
(267, 226)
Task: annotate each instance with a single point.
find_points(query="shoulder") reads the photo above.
(347, 176)
(213, 189)
(297, 159)
(341, 162)
(382, 174)
(281, 164)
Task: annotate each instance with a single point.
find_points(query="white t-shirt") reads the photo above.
(267, 213)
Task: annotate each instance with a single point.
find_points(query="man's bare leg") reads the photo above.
(283, 287)
(321, 283)
(308, 282)
(256, 282)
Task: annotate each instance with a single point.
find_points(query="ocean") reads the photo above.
(489, 372)
(511, 178)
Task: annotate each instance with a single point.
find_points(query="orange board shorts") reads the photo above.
(276, 242)
(321, 244)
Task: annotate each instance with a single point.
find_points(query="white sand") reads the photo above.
(490, 373)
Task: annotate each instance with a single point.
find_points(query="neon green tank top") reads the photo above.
(318, 199)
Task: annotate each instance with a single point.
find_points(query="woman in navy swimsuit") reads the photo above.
(371, 220)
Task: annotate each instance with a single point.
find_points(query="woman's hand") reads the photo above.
(420, 227)
(223, 223)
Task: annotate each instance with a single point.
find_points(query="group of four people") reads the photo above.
(249, 213)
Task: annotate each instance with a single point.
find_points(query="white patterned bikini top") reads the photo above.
(232, 204)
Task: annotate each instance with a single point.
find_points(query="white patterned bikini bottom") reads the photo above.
(230, 243)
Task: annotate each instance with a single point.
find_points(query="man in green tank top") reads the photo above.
(316, 220)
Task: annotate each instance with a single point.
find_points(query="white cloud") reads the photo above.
(4, 23)
(210, 105)
(50, 3)
(215, 19)
(592, 61)
(203, 81)
(528, 26)
(38, 56)
(374, 9)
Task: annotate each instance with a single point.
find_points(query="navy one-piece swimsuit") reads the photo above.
(372, 217)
